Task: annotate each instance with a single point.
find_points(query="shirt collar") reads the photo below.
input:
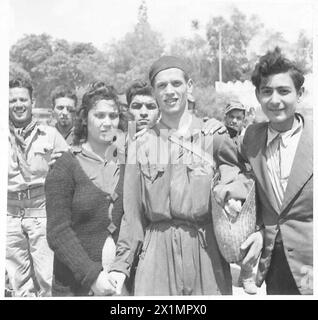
(191, 126)
(286, 135)
(65, 136)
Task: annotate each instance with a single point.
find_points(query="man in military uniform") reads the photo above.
(29, 260)
(64, 101)
(167, 190)
(234, 116)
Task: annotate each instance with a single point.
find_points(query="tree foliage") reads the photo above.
(131, 57)
(235, 36)
(50, 62)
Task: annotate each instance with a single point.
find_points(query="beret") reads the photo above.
(167, 62)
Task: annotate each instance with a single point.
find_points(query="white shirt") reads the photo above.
(280, 154)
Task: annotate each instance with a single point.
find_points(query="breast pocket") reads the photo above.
(155, 184)
(39, 159)
(200, 180)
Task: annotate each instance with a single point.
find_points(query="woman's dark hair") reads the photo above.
(274, 62)
(97, 91)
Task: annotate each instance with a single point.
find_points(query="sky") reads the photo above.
(101, 21)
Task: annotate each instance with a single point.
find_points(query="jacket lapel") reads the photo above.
(259, 166)
(302, 167)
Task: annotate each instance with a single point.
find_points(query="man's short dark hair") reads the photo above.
(21, 83)
(138, 87)
(274, 62)
(63, 92)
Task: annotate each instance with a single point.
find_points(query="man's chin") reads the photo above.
(20, 122)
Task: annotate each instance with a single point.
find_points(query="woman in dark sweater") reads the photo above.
(84, 198)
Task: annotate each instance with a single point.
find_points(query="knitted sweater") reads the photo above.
(78, 224)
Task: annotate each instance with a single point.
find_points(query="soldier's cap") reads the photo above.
(234, 105)
(167, 62)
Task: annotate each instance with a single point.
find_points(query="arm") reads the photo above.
(233, 183)
(62, 239)
(133, 223)
(239, 187)
(59, 147)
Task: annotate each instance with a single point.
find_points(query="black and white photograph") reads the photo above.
(157, 149)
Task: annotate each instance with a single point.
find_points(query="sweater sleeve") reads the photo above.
(133, 223)
(59, 189)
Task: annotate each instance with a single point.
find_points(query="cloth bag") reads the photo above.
(231, 233)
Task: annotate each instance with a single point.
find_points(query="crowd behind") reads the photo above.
(109, 201)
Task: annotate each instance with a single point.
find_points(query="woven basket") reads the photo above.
(230, 234)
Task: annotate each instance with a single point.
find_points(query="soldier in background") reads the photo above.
(64, 101)
(234, 118)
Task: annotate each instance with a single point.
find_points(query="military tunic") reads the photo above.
(167, 209)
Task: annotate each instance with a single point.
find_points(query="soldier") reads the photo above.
(167, 197)
(234, 118)
(29, 261)
(64, 102)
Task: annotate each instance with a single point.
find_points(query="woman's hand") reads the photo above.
(103, 286)
(117, 279)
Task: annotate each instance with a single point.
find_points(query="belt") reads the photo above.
(198, 226)
(26, 212)
(26, 194)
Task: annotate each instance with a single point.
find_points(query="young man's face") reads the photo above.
(64, 111)
(145, 111)
(170, 91)
(278, 98)
(20, 106)
(235, 119)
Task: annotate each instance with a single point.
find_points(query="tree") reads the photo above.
(236, 36)
(17, 71)
(49, 63)
(195, 51)
(304, 52)
(272, 40)
(31, 51)
(131, 57)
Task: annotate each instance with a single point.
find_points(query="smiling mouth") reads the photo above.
(20, 112)
(171, 102)
(276, 110)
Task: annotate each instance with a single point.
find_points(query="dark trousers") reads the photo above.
(279, 279)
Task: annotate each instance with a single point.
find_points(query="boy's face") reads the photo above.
(278, 98)
(145, 111)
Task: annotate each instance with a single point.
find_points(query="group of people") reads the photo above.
(96, 209)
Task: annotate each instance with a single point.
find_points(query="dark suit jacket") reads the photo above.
(295, 217)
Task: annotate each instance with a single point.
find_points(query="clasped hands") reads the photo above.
(108, 284)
